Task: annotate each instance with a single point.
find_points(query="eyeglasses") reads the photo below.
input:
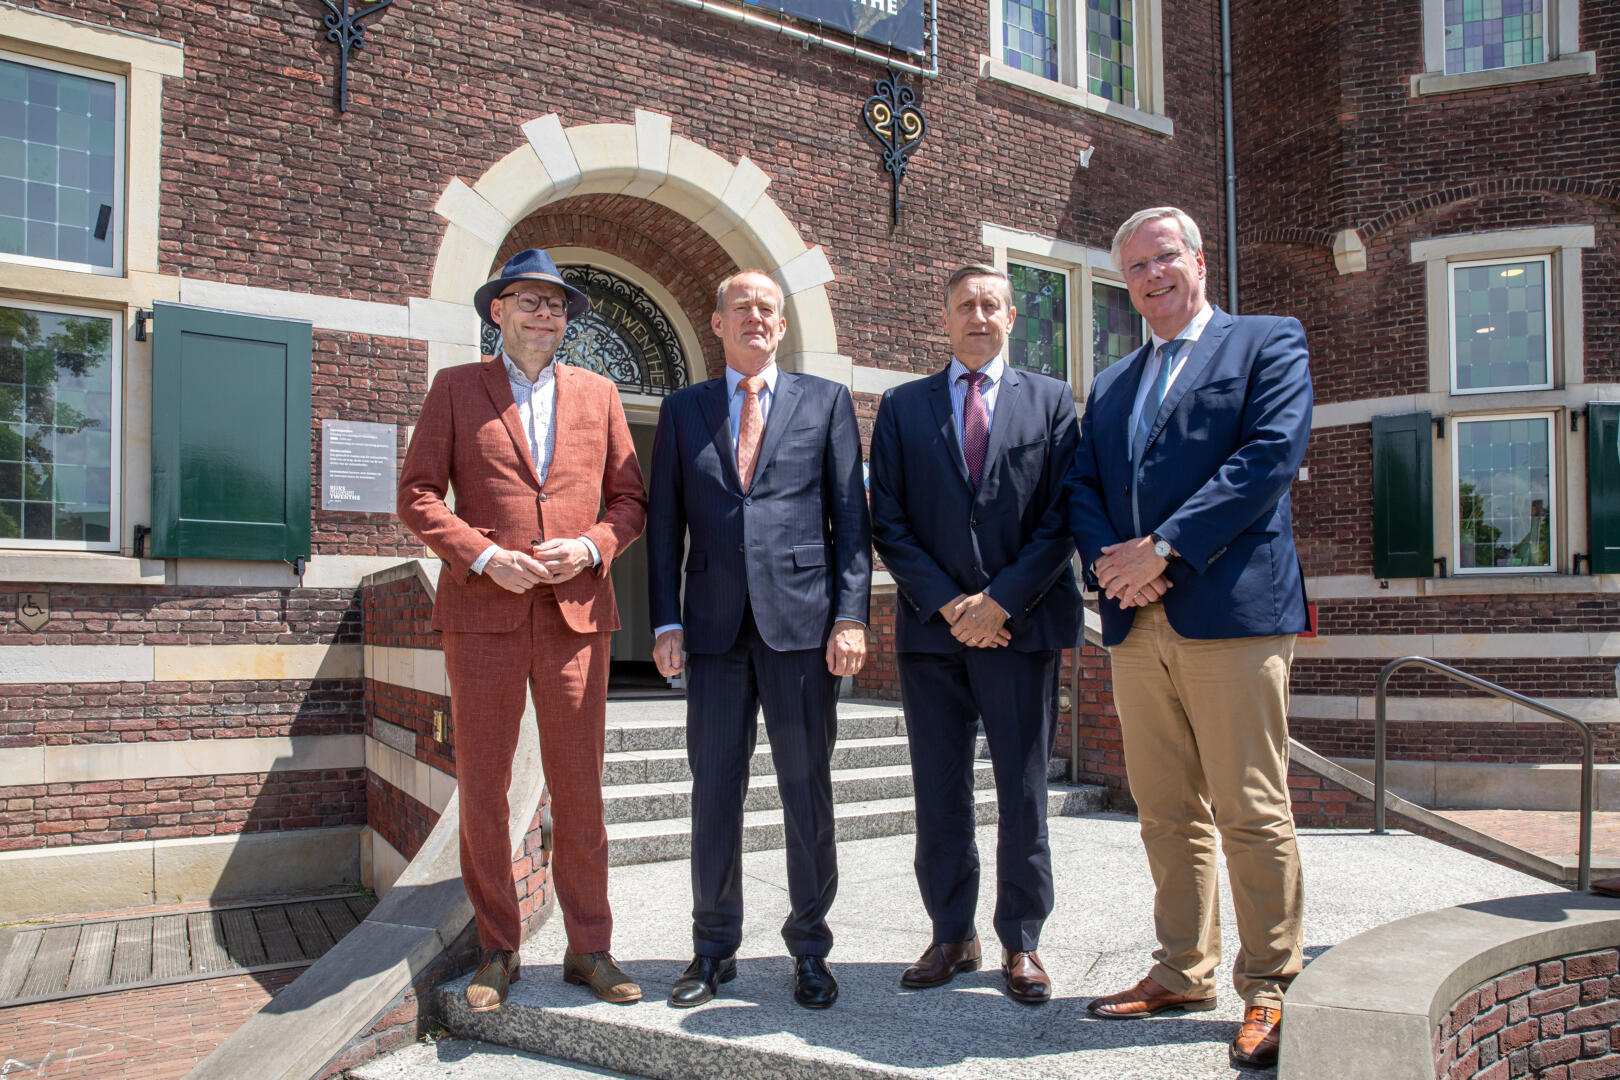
(531, 302)
(1164, 260)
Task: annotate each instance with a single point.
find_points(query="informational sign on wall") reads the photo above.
(896, 23)
(359, 466)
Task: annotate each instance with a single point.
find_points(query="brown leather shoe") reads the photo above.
(497, 971)
(940, 963)
(1027, 981)
(1256, 1044)
(598, 971)
(1146, 998)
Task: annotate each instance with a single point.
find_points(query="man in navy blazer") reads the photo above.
(968, 514)
(757, 476)
(1179, 504)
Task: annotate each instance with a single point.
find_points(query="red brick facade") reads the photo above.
(1555, 1020)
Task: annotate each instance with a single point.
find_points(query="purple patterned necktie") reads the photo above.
(975, 426)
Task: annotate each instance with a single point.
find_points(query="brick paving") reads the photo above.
(153, 1034)
(1551, 834)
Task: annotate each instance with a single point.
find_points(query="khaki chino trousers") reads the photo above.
(1205, 727)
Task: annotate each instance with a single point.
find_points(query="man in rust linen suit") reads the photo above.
(547, 492)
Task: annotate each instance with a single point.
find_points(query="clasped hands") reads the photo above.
(976, 620)
(552, 562)
(1130, 573)
(846, 649)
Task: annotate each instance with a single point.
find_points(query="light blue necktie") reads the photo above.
(1154, 399)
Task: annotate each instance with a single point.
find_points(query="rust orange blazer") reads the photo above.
(469, 439)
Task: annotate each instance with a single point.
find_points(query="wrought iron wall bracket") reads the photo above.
(347, 29)
(893, 117)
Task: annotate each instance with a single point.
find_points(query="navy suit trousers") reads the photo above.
(945, 695)
(800, 699)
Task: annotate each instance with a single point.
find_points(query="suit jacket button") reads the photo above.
(741, 548)
(543, 496)
(748, 502)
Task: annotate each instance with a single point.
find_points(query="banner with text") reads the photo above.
(897, 23)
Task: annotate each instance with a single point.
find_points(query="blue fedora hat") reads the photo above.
(531, 264)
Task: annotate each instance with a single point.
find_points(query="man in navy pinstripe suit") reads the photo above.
(757, 475)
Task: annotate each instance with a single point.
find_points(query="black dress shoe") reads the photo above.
(701, 979)
(813, 985)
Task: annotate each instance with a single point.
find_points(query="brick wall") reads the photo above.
(1555, 1020)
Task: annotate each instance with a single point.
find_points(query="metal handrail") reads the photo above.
(1588, 767)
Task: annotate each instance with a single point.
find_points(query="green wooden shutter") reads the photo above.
(230, 435)
(1403, 496)
(1603, 485)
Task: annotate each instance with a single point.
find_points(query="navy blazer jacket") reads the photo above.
(941, 538)
(1214, 478)
(797, 545)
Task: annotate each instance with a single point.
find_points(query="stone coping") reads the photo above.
(1368, 1008)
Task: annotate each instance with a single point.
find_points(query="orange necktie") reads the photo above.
(749, 426)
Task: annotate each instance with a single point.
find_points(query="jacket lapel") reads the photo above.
(784, 402)
(712, 402)
(1193, 369)
(940, 398)
(500, 396)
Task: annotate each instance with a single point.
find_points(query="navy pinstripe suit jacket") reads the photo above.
(797, 545)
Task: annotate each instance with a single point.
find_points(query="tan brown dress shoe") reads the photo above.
(1256, 1044)
(598, 971)
(497, 970)
(1146, 998)
(940, 963)
(1027, 981)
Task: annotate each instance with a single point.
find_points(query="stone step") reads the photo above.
(471, 1059)
(669, 766)
(662, 732)
(649, 802)
(671, 839)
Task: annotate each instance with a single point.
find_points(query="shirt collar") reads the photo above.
(734, 378)
(515, 373)
(992, 371)
(1193, 330)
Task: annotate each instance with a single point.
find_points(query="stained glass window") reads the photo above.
(1116, 327)
(58, 426)
(1499, 325)
(59, 168)
(1485, 34)
(1111, 50)
(1040, 336)
(1504, 493)
(1029, 36)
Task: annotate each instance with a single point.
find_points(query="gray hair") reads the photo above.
(1190, 236)
(725, 283)
(979, 270)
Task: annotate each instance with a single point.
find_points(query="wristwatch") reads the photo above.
(1161, 547)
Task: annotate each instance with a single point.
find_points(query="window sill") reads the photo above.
(1565, 67)
(80, 568)
(996, 71)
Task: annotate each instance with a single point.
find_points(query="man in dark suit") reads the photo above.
(967, 512)
(1179, 503)
(547, 493)
(758, 476)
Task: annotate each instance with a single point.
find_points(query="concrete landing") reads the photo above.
(1098, 940)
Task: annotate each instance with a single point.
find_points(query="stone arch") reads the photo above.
(645, 160)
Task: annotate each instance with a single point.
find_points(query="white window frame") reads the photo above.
(115, 486)
(1070, 85)
(1083, 265)
(120, 200)
(1451, 322)
(1563, 246)
(1560, 22)
(1555, 524)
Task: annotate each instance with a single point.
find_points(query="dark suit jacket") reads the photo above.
(940, 538)
(1214, 478)
(797, 545)
(468, 438)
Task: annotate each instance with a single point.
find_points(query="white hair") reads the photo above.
(1189, 229)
